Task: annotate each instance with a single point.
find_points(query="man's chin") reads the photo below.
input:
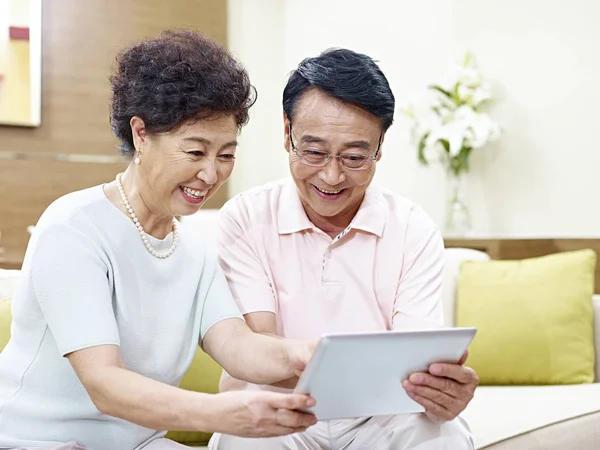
(327, 213)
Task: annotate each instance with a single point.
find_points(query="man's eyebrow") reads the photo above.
(358, 144)
(363, 145)
(309, 139)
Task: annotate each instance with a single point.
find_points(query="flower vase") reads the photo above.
(458, 218)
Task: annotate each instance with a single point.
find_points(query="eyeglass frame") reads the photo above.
(373, 157)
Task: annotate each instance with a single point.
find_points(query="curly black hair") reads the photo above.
(180, 76)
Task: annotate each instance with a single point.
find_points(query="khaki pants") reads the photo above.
(157, 444)
(402, 432)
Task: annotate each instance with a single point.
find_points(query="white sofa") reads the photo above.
(529, 417)
(503, 417)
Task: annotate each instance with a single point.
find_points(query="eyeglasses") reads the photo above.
(320, 158)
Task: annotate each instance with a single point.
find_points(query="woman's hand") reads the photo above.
(299, 353)
(260, 414)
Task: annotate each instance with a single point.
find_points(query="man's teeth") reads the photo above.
(193, 192)
(325, 191)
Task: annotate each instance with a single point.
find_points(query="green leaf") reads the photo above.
(421, 150)
(455, 95)
(462, 160)
(446, 145)
(468, 58)
(443, 91)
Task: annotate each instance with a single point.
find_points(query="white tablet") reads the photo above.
(360, 374)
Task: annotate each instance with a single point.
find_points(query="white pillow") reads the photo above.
(454, 257)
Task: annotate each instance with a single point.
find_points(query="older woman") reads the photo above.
(115, 298)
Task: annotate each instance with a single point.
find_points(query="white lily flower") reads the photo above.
(450, 78)
(450, 113)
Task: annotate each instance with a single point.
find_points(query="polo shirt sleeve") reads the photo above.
(241, 263)
(70, 281)
(418, 303)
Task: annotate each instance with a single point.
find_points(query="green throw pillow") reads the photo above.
(534, 318)
(202, 376)
(5, 321)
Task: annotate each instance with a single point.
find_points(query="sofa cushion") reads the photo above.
(5, 321)
(534, 318)
(498, 413)
(202, 376)
(580, 433)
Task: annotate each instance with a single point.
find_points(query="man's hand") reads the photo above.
(445, 391)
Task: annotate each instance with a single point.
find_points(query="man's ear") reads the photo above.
(138, 131)
(286, 133)
(380, 147)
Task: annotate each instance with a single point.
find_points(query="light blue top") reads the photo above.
(88, 280)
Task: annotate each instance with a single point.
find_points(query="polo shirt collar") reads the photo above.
(370, 216)
(291, 217)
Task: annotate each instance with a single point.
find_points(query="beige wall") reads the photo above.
(543, 58)
(256, 36)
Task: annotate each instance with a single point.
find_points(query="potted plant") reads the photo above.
(448, 125)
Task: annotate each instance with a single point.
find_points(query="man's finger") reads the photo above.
(462, 374)
(434, 395)
(432, 408)
(464, 357)
(446, 385)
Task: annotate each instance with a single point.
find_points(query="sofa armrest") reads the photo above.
(596, 302)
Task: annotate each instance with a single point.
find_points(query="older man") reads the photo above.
(330, 251)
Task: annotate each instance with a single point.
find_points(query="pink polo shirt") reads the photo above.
(383, 272)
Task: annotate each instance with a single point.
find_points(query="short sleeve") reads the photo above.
(218, 303)
(71, 284)
(418, 303)
(241, 263)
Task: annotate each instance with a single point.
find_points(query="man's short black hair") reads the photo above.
(351, 77)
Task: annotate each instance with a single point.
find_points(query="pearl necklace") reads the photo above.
(138, 225)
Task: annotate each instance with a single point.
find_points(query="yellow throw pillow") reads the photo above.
(5, 321)
(534, 318)
(203, 375)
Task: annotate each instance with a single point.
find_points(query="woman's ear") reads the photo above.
(138, 131)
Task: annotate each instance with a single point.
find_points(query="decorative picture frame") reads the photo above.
(21, 62)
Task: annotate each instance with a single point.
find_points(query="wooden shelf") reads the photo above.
(528, 248)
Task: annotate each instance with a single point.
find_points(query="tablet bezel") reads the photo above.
(456, 339)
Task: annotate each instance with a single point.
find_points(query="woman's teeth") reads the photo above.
(325, 191)
(193, 192)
